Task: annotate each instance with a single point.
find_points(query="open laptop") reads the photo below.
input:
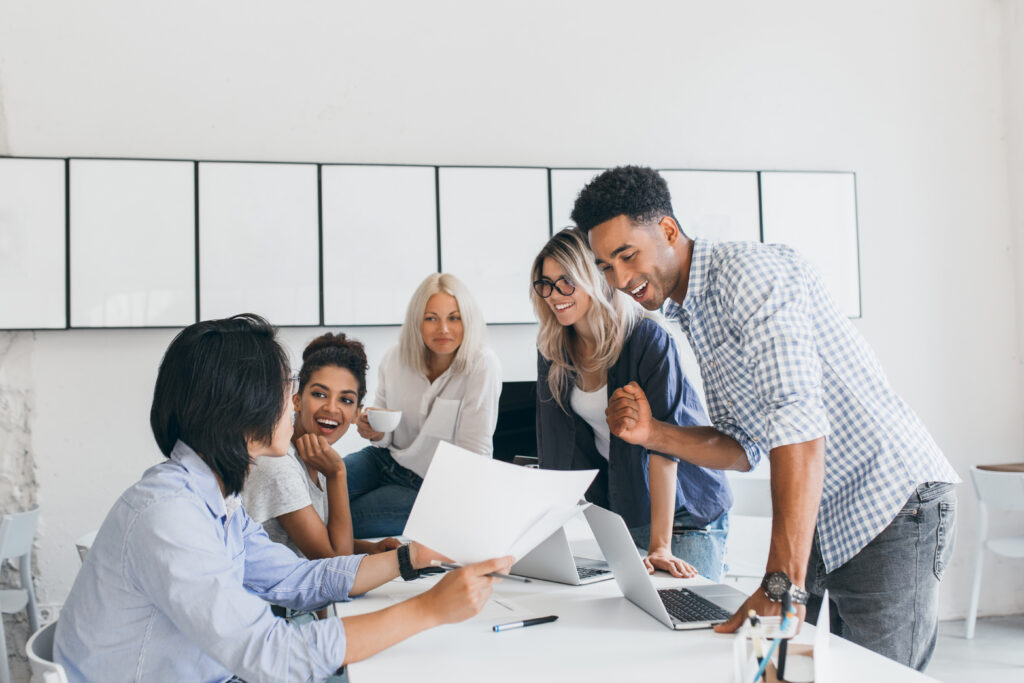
(553, 560)
(678, 608)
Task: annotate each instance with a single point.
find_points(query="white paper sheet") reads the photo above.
(472, 508)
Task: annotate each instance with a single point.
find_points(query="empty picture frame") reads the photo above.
(380, 240)
(566, 184)
(33, 244)
(133, 243)
(716, 205)
(816, 214)
(259, 242)
(494, 221)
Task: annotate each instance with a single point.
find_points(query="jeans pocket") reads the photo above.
(944, 536)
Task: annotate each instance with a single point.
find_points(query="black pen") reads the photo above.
(524, 623)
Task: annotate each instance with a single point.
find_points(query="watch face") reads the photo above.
(777, 584)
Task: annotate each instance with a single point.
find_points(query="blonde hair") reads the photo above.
(413, 349)
(611, 316)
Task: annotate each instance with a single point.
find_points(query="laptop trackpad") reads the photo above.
(726, 597)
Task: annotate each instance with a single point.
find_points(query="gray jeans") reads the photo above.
(886, 597)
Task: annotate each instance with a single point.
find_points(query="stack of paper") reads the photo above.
(472, 508)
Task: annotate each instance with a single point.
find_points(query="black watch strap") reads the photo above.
(405, 567)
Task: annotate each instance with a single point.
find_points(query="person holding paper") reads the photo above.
(446, 383)
(177, 583)
(302, 499)
(593, 340)
(863, 499)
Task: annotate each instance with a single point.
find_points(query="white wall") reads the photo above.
(913, 96)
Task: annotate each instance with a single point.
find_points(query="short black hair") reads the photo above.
(221, 384)
(335, 349)
(638, 192)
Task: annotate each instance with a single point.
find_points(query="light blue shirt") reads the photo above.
(782, 365)
(177, 587)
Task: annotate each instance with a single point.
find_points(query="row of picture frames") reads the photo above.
(116, 243)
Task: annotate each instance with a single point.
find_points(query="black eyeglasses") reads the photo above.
(544, 286)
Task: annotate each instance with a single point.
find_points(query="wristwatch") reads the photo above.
(405, 567)
(775, 584)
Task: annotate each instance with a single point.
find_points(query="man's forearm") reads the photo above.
(374, 571)
(798, 471)
(701, 446)
(368, 634)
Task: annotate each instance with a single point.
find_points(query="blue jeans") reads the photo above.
(701, 546)
(381, 492)
(886, 597)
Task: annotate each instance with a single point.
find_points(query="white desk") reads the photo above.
(599, 636)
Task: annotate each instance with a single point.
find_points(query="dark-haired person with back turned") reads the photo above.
(177, 584)
(862, 496)
(302, 499)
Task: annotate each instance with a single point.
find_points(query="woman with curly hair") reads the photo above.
(302, 498)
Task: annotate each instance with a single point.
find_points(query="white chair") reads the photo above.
(17, 531)
(750, 525)
(1000, 487)
(83, 543)
(39, 649)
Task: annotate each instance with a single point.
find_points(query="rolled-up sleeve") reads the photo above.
(276, 574)
(187, 570)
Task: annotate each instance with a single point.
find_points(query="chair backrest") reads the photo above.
(17, 531)
(1002, 490)
(40, 656)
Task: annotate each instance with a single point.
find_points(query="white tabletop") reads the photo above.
(599, 636)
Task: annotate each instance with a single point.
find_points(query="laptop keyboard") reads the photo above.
(587, 572)
(684, 605)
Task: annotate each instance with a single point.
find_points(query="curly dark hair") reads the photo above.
(334, 349)
(638, 192)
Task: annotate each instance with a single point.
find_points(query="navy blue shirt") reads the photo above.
(566, 442)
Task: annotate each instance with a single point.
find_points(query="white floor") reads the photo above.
(995, 655)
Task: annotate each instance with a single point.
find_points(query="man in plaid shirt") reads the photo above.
(863, 498)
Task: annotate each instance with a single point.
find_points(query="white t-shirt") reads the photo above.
(458, 408)
(590, 405)
(277, 486)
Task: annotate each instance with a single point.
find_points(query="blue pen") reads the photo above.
(775, 643)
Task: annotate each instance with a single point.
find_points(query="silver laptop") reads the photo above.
(677, 608)
(553, 560)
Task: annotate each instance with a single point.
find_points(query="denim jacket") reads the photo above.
(566, 442)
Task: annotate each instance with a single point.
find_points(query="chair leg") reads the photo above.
(979, 557)
(32, 608)
(5, 670)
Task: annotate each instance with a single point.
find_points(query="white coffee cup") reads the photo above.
(383, 420)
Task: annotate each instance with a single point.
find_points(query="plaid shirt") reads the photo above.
(782, 365)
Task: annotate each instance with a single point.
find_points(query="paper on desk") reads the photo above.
(472, 508)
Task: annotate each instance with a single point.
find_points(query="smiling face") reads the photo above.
(568, 308)
(327, 404)
(442, 325)
(637, 259)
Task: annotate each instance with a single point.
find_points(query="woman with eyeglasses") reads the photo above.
(446, 382)
(302, 499)
(593, 339)
(176, 585)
